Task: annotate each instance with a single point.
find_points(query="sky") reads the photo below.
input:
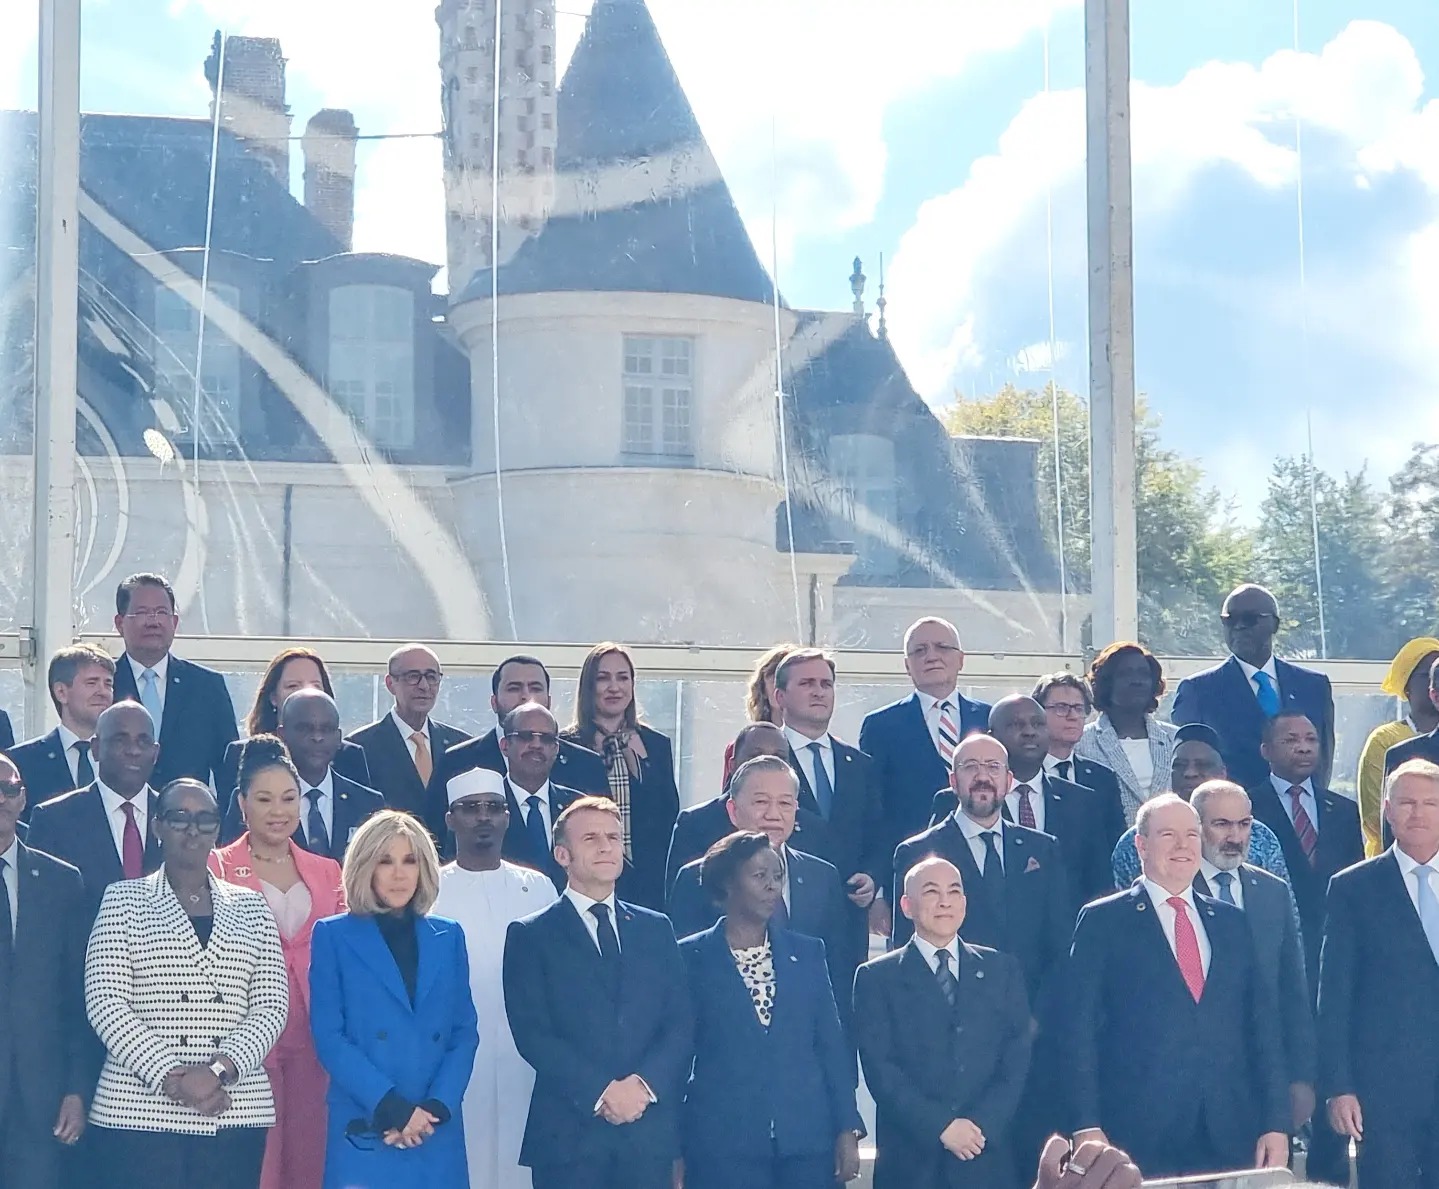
(926, 131)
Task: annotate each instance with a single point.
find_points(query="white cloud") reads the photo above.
(19, 36)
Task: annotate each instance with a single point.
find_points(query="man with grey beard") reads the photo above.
(1226, 820)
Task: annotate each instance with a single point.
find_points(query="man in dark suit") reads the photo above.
(48, 1056)
(529, 740)
(944, 1032)
(189, 703)
(912, 741)
(1238, 696)
(81, 680)
(598, 1002)
(402, 750)
(332, 806)
(104, 828)
(1173, 1047)
(1379, 991)
(518, 680)
(1068, 702)
(839, 785)
(700, 826)
(7, 731)
(1225, 821)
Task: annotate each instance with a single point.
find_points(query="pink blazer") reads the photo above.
(234, 864)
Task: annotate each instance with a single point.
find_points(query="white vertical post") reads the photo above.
(1115, 580)
(57, 278)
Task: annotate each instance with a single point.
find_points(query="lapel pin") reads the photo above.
(979, 974)
(792, 958)
(848, 758)
(1141, 906)
(35, 871)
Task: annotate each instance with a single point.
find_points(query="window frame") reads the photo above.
(657, 419)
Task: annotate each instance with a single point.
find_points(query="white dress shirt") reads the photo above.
(1306, 799)
(522, 800)
(326, 803)
(799, 744)
(1160, 899)
(930, 954)
(1051, 767)
(1250, 670)
(12, 885)
(583, 904)
(1035, 785)
(406, 731)
(68, 739)
(1408, 869)
(116, 816)
(1141, 763)
(1236, 885)
(972, 830)
(930, 706)
(161, 669)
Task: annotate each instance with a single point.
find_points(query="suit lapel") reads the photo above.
(928, 998)
(428, 934)
(30, 917)
(1114, 754)
(367, 941)
(920, 729)
(153, 857)
(806, 794)
(727, 975)
(175, 697)
(1158, 943)
(398, 758)
(1405, 909)
(100, 827)
(802, 891)
(177, 923)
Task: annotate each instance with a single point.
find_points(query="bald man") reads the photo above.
(944, 1035)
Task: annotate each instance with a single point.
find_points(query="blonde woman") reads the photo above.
(759, 697)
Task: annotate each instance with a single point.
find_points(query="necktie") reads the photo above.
(609, 942)
(948, 984)
(992, 877)
(780, 916)
(1428, 908)
(424, 765)
(1225, 880)
(1303, 828)
(823, 789)
(1026, 806)
(150, 697)
(132, 848)
(7, 936)
(535, 827)
(84, 773)
(1186, 947)
(315, 832)
(1266, 693)
(948, 735)
(1063, 767)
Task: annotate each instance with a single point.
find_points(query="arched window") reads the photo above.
(372, 360)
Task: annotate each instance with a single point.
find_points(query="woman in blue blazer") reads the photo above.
(393, 1021)
(770, 1102)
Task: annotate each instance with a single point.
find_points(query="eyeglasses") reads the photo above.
(1247, 619)
(988, 767)
(204, 822)
(545, 738)
(149, 614)
(473, 809)
(419, 677)
(1068, 709)
(11, 790)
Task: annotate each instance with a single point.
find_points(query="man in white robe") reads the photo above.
(484, 894)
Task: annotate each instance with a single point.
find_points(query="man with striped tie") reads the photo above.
(1173, 1050)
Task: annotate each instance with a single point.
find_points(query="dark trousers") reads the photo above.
(1393, 1157)
(605, 1172)
(1327, 1159)
(229, 1159)
(1195, 1154)
(773, 1172)
(29, 1156)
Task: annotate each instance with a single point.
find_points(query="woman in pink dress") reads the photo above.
(300, 888)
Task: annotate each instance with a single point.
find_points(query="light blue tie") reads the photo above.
(1428, 908)
(1267, 693)
(150, 697)
(1226, 892)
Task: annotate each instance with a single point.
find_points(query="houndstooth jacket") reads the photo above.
(158, 999)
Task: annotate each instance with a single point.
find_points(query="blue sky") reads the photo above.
(924, 133)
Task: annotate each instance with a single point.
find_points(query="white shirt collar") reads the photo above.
(68, 738)
(521, 795)
(161, 668)
(1209, 871)
(583, 904)
(928, 702)
(12, 856)
(113, 801)
(1158, 895)
(1250, 670)
(971, 829)
(405, 729)
(1407, 865)
(928, 952)
(1282, 786)
(1035, 784)
(1052, 762)
(326, 787)
(799, 742)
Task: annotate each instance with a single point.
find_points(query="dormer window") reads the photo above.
(372, 360)
(862, 468)
(177, 339)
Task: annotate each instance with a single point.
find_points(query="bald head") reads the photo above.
(1019, 722)
(305, 702)
(980, 778)
(934, 900)
(126, 747)
(310, 727)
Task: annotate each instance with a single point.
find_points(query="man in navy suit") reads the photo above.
(1379, 993)
(700, 826)
(598, 1002)
(81, 680)
(912, 741)
(1173, 1046)
(189, 703)
(403, 749)
(104, 828)
(530, 741)
(1068, 702)
(1252, 686)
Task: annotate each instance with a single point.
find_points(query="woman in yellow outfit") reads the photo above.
(1408, 678)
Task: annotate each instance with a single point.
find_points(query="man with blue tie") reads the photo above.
(1379, 993)
(81, 680)
(530, 744)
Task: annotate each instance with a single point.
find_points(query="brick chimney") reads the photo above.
(252, 103)
(329, 147)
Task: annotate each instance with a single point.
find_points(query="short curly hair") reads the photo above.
(1103, 668)
(722, 862)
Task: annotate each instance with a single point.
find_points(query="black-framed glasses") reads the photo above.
(1067, 709)
(1247, 619)
(419, 677)
(545, 738)
(206, 821)
(11, 790)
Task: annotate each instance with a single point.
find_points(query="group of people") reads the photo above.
(409, 957)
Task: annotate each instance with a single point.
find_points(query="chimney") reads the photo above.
(329, 147)
(251, 97)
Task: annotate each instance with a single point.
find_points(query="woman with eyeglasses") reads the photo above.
(392, 1017)
(300, 888)
(640, 764)
(185, 985)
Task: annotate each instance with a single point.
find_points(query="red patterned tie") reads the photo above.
(1303, 827)
(132, 850)
(1026, 808)
(1186, 947)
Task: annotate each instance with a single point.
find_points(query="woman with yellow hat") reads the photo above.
(1408, 678)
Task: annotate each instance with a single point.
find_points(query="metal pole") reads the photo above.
(1111, 323)
(57, 278)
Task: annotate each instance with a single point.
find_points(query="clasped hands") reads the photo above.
(420, 1127)
(197, 1087)
(624, 1100)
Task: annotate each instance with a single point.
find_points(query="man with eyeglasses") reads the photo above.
(1068, 703)
(403, 748)
(1240, 695)
(530, 740)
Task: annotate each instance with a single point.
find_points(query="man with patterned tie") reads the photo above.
(1379, 993)
(530, 744)
(81, 680)
(1173, 1046)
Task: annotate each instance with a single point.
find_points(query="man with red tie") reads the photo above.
(1173, 1048)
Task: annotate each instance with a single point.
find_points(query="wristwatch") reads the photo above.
(221, 1071)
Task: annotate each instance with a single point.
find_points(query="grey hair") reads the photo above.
(1423, 769)
(1210, 789)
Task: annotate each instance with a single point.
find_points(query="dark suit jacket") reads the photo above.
(353, 803)
(927, 1066)
(1142, 1054)
(580, 1031)
(1341, 845)
(806, 1098)
(1280, 956)
(73, 827)
(1420, 747)
(7, 732)
(1101, 778)
(908, 763)
(518, 848)
(1034, 919)
(1223, 698)
(852, 837)
(576, 767)
(349, 762)
(696, 830)
(46, 1037)
(198, 723)
(392, 768)
(1378, 984)
(43, 768)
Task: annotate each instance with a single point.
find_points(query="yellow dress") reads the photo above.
(1371, 780)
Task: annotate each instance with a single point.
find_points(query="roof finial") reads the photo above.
(856, 286)
(882, 302)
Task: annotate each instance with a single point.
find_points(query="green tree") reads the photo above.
(1411, 544)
